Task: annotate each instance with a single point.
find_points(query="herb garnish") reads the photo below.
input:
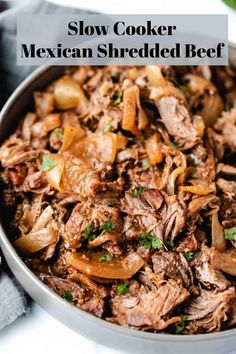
(68, 297)
(173, 146)
(117, 98)
(169, 244)
(229, 234)
(188, 256)
(106, 258)
(58, 133)
(184, 88)
(88, 233)
(47, 163)
(122, 288)
(107, 128)
(108, 225)
(138, 191)
(149, 241)
(145, 164)
(180, 327)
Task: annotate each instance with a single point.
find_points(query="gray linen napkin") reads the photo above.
(13, 301)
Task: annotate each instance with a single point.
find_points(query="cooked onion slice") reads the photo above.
(71, 136)
(68, 94)
(28, 122)
(130, 105)
(36, 240)
(117, 268)
(217, 234)
(54, 175)
(153, 148)
(200, 189)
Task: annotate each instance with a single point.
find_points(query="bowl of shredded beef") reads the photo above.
(118, 194)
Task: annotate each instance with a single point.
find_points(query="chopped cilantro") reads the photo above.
(229, 234)
(149, 241)
(117, 98)
(47, 163)
(188, 255)
(169, 244)
(108, 225)
(106, 258)
(88, 233)
(107, 128)
(180, 327)
(173, 146)
(122, 288)
(138, 191)
(145, 164)
(68, 297)
(184, 88)
(58, 133)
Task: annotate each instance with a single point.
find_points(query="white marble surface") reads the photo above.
(37, 332)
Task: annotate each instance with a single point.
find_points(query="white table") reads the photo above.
(37, 332)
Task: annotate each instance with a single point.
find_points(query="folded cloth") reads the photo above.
(13, 301)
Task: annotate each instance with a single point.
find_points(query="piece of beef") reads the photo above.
(209, 311)
(226, 125)
(149, 309)
(153, 212)
(93, 213)
(206, 274)
(227, 187)
(60, 286)
(82, 298)
(178, 121)
(173, 265)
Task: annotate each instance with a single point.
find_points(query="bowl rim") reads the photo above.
(125, 331)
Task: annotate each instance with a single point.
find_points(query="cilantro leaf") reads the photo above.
(107, 128)
(149, 241)
(122, 288)
(58, 133)
(138, 191)
(108, 225)
(229, 234)
(169, 244)
(180, 327)
(68, 297)
(184, 88)
(88, 233)
(47, 163)
(145, 164)
(118, 98)
(188, 256)
(106, 258)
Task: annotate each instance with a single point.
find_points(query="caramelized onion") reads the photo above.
(71, 136)
(153, 148)
(54, 175)
(52, 121)
(217, 234)
(36, 240)
(199, 189)
(28, 122)
(204, 93)
(161, 86)
(176, 172)
(129, 113)
(43, 219)
(117, 268)
(68, 94)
